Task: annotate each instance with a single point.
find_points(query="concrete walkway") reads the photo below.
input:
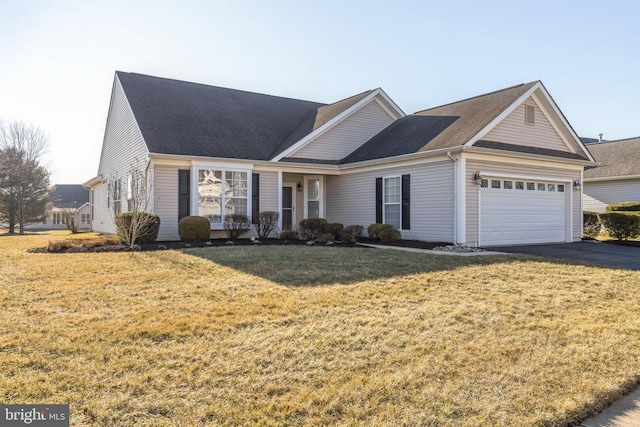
(626, 411)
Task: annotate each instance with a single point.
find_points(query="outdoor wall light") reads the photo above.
(477, 178)
(576, 184)
(299, 186)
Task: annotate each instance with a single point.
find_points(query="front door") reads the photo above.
(288, 206)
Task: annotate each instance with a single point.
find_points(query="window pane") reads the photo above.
(519, 185)
(235, 206)
(495, 183)
(392, 190)
(210, 208)
(508, 185)
(392, 215)
(561, 188)
(531, 185)
(313, 209)
(484, 183)
(551, 187)
(313, 189)
(236, 184)
(541, 187)
(209, 183)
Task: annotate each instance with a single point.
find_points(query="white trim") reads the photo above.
(525, 177)
(399, 176)
(305, 178)
(461, 200)
(280, 184)
(555, 127)
(611, 178)
(338, 119)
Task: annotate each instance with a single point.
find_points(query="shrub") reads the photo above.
(194, 229)
(289, 235)
(388, 235)
(267, 222)
(374, 230)
(59, 245)
(137, 227)
(350, 233)
(312, 228)
(334, 228)
(236, 225)
(621, 225)
(624, 206)
(591, 224)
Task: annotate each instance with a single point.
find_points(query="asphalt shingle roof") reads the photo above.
(183, 118)
(69, 195)
(615, 158)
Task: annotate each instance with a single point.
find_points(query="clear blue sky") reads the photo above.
(58, 58)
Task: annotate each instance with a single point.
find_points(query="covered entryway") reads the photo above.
(517, 211)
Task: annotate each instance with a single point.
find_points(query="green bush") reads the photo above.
(312, 228)
(236, 225)
(388, 235)
(374, 230)
(335, 228)
(350, 234)
(591, 224)
(267, 222)
(194, 229)
(137, 227)
(624, 206)
(289, 235)
(621, 225)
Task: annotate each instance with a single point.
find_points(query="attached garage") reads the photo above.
(517, 211)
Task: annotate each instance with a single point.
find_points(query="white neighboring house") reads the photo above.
(496, 169)
(616, 177)
(64, 197)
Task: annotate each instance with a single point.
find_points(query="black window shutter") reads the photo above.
(184, 193)
(406, 196)
(379, 200)
(255, 197)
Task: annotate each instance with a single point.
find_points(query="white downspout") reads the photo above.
(455, 204)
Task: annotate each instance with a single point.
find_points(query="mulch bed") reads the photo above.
(418, 244)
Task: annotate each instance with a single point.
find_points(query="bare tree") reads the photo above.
(24, 182)
(70, 217)
(131, 214)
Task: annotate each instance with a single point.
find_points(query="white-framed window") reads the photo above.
(59, 218)
(392, 201)
(85, 218)
(313, 187)
(222, 192)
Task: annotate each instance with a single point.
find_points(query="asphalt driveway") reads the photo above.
(589, 252)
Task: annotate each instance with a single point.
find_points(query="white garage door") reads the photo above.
(514, 211)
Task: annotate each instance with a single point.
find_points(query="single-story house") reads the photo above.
(500, 168)
(66, 199)
(616, 178)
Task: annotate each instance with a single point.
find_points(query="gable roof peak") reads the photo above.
(524, 86)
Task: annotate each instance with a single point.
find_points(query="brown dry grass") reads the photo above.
(313, 336)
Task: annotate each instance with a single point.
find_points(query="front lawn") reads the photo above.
(300, 335)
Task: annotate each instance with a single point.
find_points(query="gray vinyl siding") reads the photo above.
(166, 201)
(123, 144)
(348, 135)
(351, 199)
(517, 170)
(597, 195)
(268, 191)
(513, 130)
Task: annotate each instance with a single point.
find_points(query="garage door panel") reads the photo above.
(520, 216)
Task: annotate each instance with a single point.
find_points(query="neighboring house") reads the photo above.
(616, 178)
(500, 168)
(67, 198)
